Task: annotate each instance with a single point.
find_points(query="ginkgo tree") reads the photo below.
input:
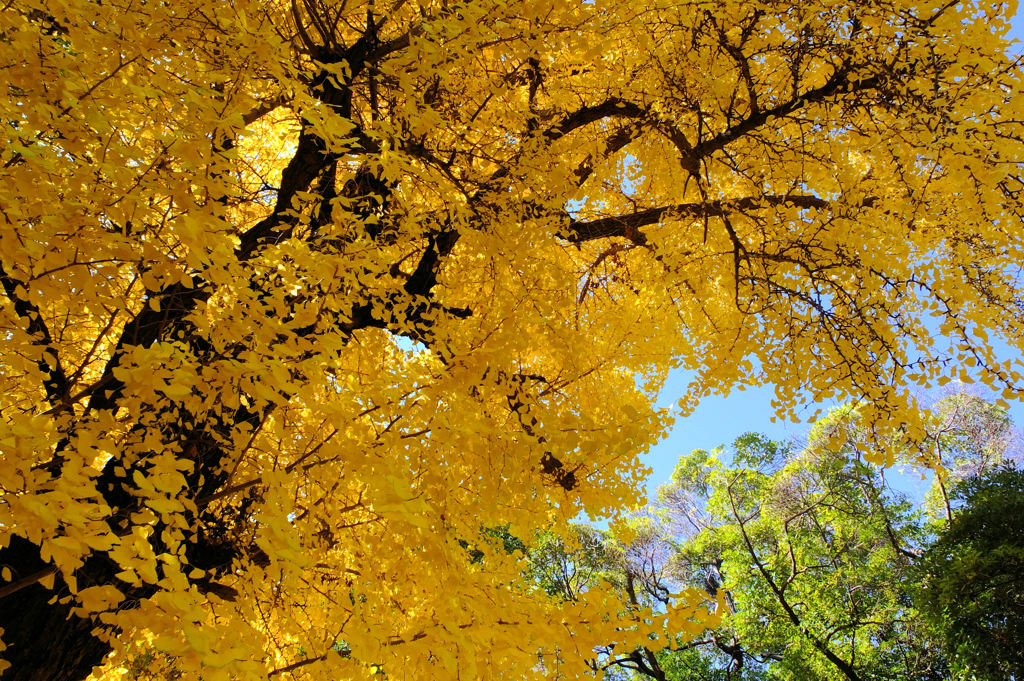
(302, 296)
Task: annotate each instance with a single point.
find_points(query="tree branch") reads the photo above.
(611, 108)
(35, 577)
(840, 664)
(55, 383)
(629, 224)
(839, 82)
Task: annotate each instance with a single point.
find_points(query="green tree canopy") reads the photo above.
(818, 567)
(973, 592)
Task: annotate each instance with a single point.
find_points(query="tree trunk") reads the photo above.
(45, 642)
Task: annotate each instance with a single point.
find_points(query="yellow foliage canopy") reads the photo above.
(301, 296)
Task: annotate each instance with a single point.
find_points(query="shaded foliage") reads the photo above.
(974, 590)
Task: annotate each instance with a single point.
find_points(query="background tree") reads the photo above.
(817, 556)
(967, 437)
(817, 564)
(630, 562)
(974, 589)
(300, 295)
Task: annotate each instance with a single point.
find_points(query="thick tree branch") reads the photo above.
(55, 381)
(26, 581)
(176, 302)
(838, 83)
(611, 108)
(628, 225)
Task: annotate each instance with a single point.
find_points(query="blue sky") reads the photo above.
(717, 420)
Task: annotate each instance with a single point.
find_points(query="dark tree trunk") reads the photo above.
(45, 642)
